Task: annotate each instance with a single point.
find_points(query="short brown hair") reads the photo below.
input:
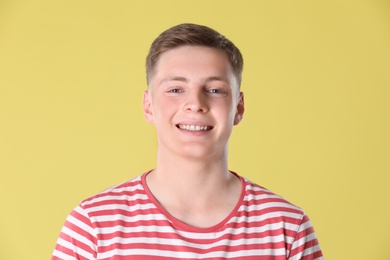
(196, 35)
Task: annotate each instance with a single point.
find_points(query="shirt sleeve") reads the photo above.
(77, 240)
(305, 245)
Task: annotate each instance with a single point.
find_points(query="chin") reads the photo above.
(200, 153)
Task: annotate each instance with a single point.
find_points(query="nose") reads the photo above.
(196, 102)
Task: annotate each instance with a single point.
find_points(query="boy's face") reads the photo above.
(194, 101)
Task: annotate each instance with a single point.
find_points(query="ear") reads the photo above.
(147, 107)
(240, 109)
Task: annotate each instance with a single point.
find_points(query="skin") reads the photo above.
(194, 88)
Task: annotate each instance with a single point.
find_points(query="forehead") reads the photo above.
(194, 62)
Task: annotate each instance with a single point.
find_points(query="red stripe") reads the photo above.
(229, 236)
(181, 248)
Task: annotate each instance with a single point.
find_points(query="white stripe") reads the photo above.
(307, 251)
(161, 217)
(80, 224)
(244, 208)
(192, 235)
(236, 219)
(122, 197)
(73, 248)
(61, 255)
(312, 250)
(251, 186)
(241, 219)
(268, 205)
(303, 240)
(78, 237)
(127, 186)
(305, 226)
(269, 215)
(180, 242)
(136, 218)
(122, 207)
(250, 197)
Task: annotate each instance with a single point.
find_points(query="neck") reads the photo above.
(177, 168)
(182, 177)
(198, 192)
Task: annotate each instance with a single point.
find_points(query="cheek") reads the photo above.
(164, 109)
(165, 105)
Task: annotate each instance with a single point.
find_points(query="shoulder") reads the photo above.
(116, 197)
(275, 215)
(263, 201)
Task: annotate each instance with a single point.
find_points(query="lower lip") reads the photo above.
(194, 133)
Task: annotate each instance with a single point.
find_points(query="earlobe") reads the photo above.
(147, 107)
(240, 109)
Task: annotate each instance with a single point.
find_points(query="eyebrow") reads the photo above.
(174, 78)
(183, 79)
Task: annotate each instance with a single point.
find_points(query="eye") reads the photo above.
(217, 91)
(174, 90)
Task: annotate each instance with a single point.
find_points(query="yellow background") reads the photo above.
(316, 128)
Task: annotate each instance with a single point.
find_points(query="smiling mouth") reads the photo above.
(194, 127)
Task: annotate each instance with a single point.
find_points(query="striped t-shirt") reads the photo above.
(126, 222)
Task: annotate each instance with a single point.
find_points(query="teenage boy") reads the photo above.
(190, 206)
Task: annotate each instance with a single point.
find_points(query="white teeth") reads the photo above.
(193, 127)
